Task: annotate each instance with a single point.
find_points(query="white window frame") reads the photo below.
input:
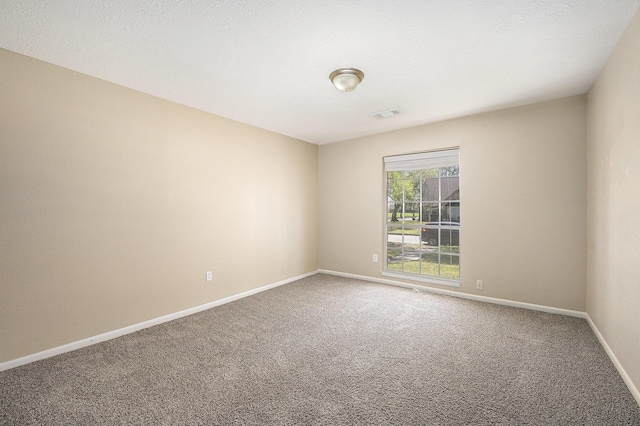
(411, 162)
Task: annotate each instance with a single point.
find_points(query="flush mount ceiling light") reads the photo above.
(346, 79)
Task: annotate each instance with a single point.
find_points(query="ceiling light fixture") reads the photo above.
(346, 79)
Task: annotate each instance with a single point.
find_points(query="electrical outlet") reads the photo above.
(479, 284)
(375, 258)
(209, 275)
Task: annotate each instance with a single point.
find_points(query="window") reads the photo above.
(423, 216)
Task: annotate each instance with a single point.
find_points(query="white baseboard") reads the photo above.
(146, 324)
(486, 299)
(632, 387)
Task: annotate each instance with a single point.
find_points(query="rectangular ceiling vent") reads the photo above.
(386, 114)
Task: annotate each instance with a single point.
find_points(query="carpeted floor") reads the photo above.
(332, 351)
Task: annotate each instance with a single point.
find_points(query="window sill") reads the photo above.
(428, 280)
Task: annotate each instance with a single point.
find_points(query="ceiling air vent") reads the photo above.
(386, 114)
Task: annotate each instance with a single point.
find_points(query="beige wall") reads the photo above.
(523, 190)
(114, 204)
(613, 274)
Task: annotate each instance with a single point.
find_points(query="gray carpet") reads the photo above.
(332, 351)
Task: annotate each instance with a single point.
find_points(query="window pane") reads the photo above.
(412, 250)
(411, 245)
(450, 171)
(412, 211)
(451, 212)
(430, 212)
(394, 248)
(396, 175)
(394, 233)
(431, 189)
(450, 187)
(429, 264)
(429, 235)
(391, 212)
(393, 263)
(411, 190)
(450, 266)
(450, 240)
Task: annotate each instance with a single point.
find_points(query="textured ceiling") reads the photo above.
(267, 62)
